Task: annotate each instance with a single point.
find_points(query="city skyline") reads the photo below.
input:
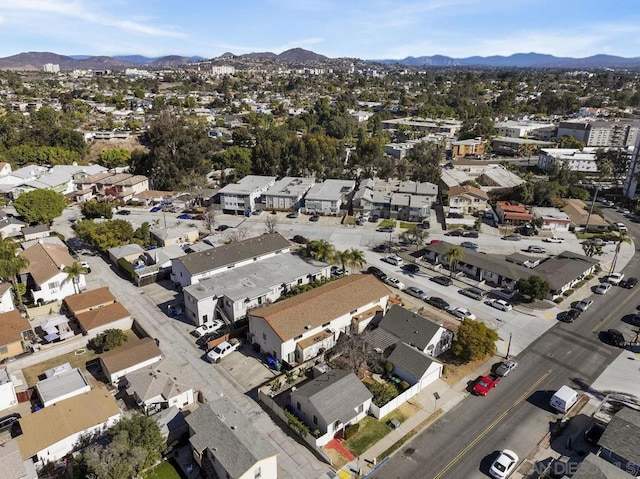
(374, 29)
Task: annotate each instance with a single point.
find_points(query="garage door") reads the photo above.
(432, 376)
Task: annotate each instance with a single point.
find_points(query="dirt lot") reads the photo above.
(98, 146)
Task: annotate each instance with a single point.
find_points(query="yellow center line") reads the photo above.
(491, 426)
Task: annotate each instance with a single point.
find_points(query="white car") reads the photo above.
(554, 239)
(504, 464)
(462, 313)
(584, 304)
(395, 282)
(209, 327)
(615, 278)
(603, 288)
(500, 304)
(394, 260)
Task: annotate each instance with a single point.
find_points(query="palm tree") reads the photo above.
(73, 274)
(343, 257)
(356, 258)
(322, 250)
(11, 264)
(453, 255)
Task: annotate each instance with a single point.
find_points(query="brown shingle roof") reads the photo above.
(103, 315)
(46, 261)
(90, 299)
(11, 325)
(130, 354)
(56, 422)
(472, 190)
(321, 305)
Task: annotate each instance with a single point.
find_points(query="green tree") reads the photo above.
(356, 258)
(320, 250)
(110, 339)
(426, 159)
(114, 158)
(534, 287)
(474, 340)
(96, 209)
(591, 248)
(569, 141)
(106, 234)
(74, 271)
(614, 161)
(382, 392)
(414, 236)
(11, 264)
(453, 255)
(40, 206)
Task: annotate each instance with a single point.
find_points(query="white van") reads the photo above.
(564, 399)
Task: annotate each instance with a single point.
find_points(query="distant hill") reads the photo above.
(300, 55)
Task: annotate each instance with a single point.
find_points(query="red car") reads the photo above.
(486, 384)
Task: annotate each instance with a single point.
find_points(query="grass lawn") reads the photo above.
(384, 223)
(371, 431)
(407, 225)
(32, 373)
(164, 470)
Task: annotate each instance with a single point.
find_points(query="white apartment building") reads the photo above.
(242, 196)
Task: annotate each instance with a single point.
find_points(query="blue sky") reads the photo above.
(368, 29)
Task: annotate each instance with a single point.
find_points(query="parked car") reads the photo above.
(86, 266)
(256, 212)
(292, 215)
(299, 239)
(511, 237)
(438, 302)
(416, 293)
(469, 245)
(603, 288)
(411, 268)
(535, 249)
(506, 367)
(629, 283)
(223, 349)
(155, 209)
(462, 313)
(474, 293)
(553, 239)
(584, 304)
(470, 234)
(385, 229)
(209, 327)
(335, 271)
(570, 316)
(455, 215)
(504, 464)
(124, 212)
(374, 218)
(223, 228)
(486, 384)
(395, 282)
(7, 422)
(594, 433)
(526, 231)
(500, 304)
(454, 233)
(377, 272)
(394, 260)
(614, 337)
(185, 216)
(381, 248)
(443, 280)
(615, 278)
(314, 218)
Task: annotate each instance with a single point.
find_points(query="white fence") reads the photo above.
(399, 400)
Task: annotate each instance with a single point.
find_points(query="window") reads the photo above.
(205, 318)
(53, 284)
(336, 425)
(298, 406)
(315, 420)
(360, 408)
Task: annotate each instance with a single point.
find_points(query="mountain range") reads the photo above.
(35, 60)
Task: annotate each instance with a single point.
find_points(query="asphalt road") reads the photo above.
(516, 415)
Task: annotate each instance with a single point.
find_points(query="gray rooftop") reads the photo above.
(333, 190)
(62, 384)
(28, 230)
(410, 327)
(622, 435)
(410, 360)
(255, 279)
(248, 185)
(335, 395)
(229, 254)
(594, 467)
(290, 187)
(220, 427)
(418, 188)
(175, 231)
(126, 250)
(154, 381)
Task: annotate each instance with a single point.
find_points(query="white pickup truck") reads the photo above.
(223, 349)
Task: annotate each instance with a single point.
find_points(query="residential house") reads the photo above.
(83, 302)
(130, 252)
(231, 293)
(472, 146)
(242, 196)
(192, 268)
(422, 333)
(402, 200)
(414, 366)
(299, 328)
(513, 213)
(45, 277)
(420, 188)
(595, 467)
(172, 424)
(98, 320)
(118, 186)
(226, 444)
(155, 388)
(153, 197)
(552, 219)
(329, 196)
(620, 441)
(8, 396)
(498, 177)
(131, 356)
(62, 386)
(6, 298)
(175, 235)
(15, 334)
(331, 402)
(405, 207)
(286, 194)
(11, 227)
(30, 233)
(60, 178)
(467, 199)
(578, 212)
(571, 158)
(53, 432)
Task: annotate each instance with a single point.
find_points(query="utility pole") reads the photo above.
(509, 346)
(593, 202)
